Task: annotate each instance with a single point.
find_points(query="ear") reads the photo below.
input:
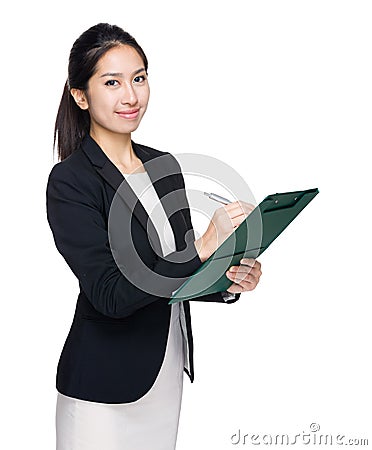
(80, 98)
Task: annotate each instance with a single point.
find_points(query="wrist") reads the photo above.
(202, 247)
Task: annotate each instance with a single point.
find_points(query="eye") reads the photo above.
(111, 83)
(139, 79)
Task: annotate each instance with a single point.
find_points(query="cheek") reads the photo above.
(144, 96)
(100, 107)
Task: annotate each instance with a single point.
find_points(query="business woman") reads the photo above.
(120, 374)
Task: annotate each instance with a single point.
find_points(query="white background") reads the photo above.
(279, 90)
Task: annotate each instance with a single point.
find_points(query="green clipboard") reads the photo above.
(252, 237)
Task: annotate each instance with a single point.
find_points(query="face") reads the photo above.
(117, 94)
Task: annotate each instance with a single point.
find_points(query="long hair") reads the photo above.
(73, 123)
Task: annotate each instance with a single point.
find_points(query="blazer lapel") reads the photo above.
(158, 172)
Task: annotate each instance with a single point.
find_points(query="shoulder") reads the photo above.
(73, 165)
(75, 176)
(164, 164)
(150, 150)
(76, 168)
(167, 158)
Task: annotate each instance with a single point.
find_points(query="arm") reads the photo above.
(80, 234)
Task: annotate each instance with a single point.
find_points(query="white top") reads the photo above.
(142, 185)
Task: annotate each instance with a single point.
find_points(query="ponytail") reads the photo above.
(72, 124)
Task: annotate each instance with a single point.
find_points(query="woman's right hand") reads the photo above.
(223, 223)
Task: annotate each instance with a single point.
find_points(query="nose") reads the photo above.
(129, 95)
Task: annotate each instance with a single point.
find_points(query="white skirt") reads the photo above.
(150, 422)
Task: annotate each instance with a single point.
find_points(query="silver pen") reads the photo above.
(217, 198)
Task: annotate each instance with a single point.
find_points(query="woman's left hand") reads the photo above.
(245, 277)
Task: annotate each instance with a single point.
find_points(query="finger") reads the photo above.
(239, 208)
(247, 282)
(236, 288)
(243, 270)
(246, 286)
(244, 274)
(241, 287)
(245, 209)
(238, 277)
(248, 261)
(256, 265)
(248, 207)
(255, 270)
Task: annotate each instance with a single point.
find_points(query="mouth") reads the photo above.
(128, 114)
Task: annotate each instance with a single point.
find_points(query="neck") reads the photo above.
(118, 147)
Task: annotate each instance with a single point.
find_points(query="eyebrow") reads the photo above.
(120, 74)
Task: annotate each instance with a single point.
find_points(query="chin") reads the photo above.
(123, 130)
(131, 129)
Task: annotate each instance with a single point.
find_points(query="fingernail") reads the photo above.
(247, 261)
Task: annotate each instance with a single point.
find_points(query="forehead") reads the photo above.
(123, 58)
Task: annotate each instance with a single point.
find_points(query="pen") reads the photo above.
(218, 198)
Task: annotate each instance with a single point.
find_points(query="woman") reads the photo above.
(120, 374)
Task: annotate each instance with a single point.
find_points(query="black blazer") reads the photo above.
(117, 340)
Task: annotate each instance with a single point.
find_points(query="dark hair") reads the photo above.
(73, 123)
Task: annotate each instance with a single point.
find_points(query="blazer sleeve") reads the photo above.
(74, 213)
(219, 297)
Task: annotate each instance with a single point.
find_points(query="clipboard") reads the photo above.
(252, 237)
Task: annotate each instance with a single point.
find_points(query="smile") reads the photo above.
(130, 114)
